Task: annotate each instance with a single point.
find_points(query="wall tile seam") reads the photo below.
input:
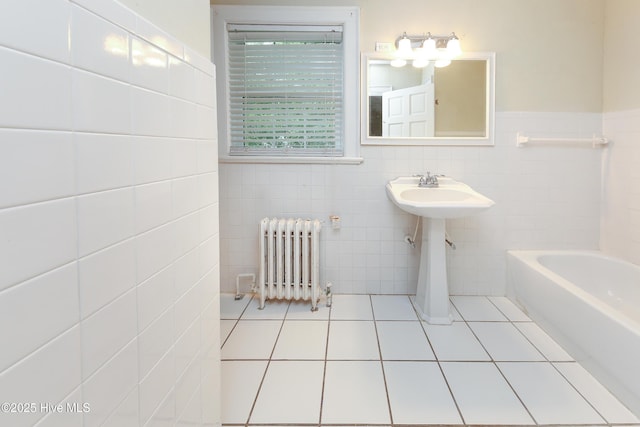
(73, 132)
(196, 140)
(158, 228)
(136, 32)
(108, 420)
(150, 422)
(78, 194)
(165, 93)
(33, 55)
(137, 282)
(37, 202)
(40, 347)
(83, 378)
(198, 391)
(97, 372)
(170, 352)
(197, 355)
(171, 306)
(66, 398)
(37, 276)
(88, 319)
(71, 66)
(156, 319)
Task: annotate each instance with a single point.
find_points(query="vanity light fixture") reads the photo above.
(426, 48)
(404, 52)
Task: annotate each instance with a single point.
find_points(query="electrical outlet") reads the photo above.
(384, 47)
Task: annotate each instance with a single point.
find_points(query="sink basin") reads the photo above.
(451, 199)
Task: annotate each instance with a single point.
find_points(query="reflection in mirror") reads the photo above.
(431, 105)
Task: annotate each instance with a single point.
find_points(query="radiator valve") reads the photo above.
(328, 293)
(335, 222)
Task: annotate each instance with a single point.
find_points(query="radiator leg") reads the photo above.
(262, 293)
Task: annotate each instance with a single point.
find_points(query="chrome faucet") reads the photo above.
(429, 181)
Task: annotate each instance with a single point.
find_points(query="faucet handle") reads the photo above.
(428, 180)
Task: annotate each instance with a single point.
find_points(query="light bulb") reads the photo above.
(420, 62)
(398, 62)
(404, 48)
(429, 46)
(453, 46)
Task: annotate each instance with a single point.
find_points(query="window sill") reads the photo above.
(292, 160)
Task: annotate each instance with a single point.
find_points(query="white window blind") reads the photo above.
(285, 89)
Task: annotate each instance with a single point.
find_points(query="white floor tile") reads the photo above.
(230, 308)
(403, 340)
(291, 393)
(455, 342)
(509, 309)
(604, 402)
(273, 309)
(477, 309)
(543, 342)
(504, 342)
(352, 340)
(354, 392)
(252, 339)
(482, 394)
(393, 307)
(351, 307)
(301, 310)
(419, 394)
(302, 339)
(240, 382)
(547, 395)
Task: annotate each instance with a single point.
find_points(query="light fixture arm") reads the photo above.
(425, 48)
(418, 40)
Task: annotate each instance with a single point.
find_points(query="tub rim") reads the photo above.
(531, 259)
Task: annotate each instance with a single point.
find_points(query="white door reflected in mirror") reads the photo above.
(452, 105)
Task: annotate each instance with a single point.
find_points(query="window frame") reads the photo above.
(348, 17)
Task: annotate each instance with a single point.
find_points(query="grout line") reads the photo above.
(495, 364)
(324, 368)
(515, 393)
(236, 322)
(579, 392)
(264, 375)
(453, 396)
(384, 376)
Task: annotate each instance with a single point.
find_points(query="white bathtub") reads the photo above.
(590, 304)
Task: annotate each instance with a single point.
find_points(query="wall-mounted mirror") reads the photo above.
(451, 105)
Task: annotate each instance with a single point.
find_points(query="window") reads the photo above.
(287, 82)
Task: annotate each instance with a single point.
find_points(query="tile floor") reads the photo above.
(368, 360)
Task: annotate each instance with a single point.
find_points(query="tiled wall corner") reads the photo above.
(109, 285)
(620, 227)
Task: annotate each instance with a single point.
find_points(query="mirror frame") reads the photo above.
(488, 139)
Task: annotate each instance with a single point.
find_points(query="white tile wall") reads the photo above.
(546, 197)
(620, 226)
(109, 287)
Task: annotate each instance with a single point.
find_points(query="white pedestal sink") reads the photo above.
(450, 199)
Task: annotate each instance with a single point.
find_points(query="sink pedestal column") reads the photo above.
(432, 295)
